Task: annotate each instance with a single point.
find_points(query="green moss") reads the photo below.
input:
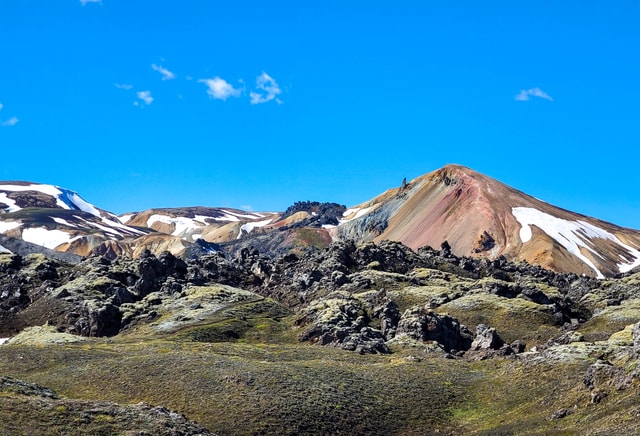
(610, 320)
(242, 388)
(313, 237)
(513, 318)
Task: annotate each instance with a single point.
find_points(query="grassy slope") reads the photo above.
(248, 387)
(251, 388)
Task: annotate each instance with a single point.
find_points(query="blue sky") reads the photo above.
(247, 104)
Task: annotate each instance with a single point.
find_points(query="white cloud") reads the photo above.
(526, 94)
(84, 2)
(269, 90)
(125, 86)
(145, 96)
(220, 89)
(247, 208)
(10, 122)
(166, 74)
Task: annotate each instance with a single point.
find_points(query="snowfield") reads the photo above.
(47, 238)
(571, 235)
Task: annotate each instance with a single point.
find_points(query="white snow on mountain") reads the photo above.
(65, 199)
(248, 227)
(183, 225)
(63, 221)
(126, 217)
(4, 250)
(354, 213)
(47, 238)
(5, 226)
(51, 190)
(572, 235)
(13, 207)
(80, 203)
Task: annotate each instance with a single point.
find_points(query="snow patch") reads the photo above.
(122, 227)
(248, 227)
(13, 207)
(62, 221)
(227, 218)
(183, 225)
(125, 218)
(3, 340)
(47, 238)
(5, 226)
(81, 204)
(4, 250)
(241, 215)
(202, 219)
(101, 227)
(358, 213)
(571, 235)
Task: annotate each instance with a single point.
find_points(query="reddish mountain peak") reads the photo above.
(480, 216)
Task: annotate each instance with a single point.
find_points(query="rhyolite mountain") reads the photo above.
(481, 217)
(476, 215)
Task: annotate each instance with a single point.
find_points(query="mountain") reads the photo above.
(482, 217)
(193, 223)
(57, 218)
(476, 215)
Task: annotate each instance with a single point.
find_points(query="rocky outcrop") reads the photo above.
(350, 296)
(340, 320)
(426, 325)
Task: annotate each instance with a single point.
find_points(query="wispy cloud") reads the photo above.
(166, 74)
(84, 2)
(125, 86)
(220, 89)
(1, 106)
(10, 122)
(145, 96)
(526, 94)
(268, 90)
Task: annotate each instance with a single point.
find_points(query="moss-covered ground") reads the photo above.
(249, 386)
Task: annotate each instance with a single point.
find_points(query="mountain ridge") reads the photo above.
(475, 214)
